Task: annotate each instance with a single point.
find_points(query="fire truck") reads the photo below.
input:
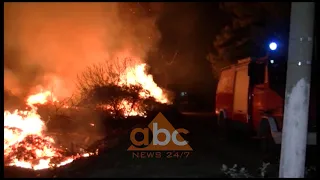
(250, 98)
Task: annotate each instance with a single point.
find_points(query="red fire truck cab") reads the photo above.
(250, 97)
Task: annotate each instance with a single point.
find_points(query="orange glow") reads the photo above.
(49, 44)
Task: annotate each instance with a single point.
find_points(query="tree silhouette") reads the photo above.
(253, 23)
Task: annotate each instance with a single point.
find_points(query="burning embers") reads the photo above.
(26, 145)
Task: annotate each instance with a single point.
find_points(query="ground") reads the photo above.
(210, 152)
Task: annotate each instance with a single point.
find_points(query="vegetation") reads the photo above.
(265, 171)
(102, 87)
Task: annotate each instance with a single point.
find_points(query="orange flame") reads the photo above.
(41, 98)
(138, 76)
(25, 144)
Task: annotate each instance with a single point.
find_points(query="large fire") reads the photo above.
(25, 142)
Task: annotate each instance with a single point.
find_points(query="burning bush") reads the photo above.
(120, 90)
(118, 101)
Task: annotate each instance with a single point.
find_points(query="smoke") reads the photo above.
(48, 44)
(174, 60)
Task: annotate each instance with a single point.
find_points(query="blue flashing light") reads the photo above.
(273, 46)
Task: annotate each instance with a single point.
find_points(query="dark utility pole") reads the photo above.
(295, 127)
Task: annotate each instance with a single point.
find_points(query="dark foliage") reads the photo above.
(251, 27)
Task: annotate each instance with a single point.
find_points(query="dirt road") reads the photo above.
(209, 153)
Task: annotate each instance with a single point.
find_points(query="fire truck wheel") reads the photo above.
(222, 126)
(267, 143)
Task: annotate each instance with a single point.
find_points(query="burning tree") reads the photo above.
(121, 89)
